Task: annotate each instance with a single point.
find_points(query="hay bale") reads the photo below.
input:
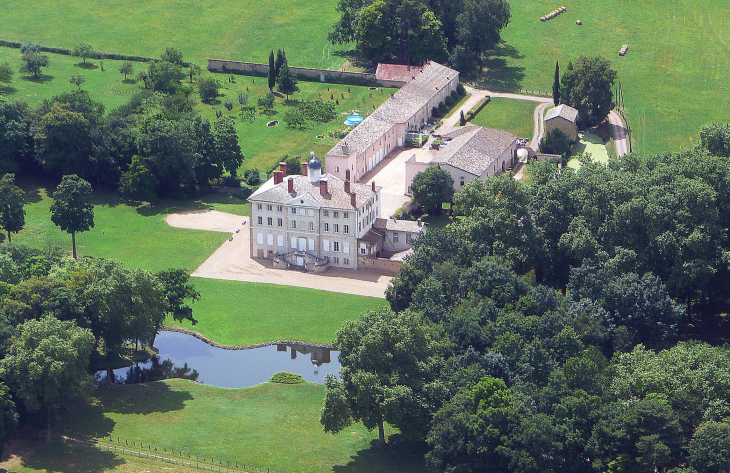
(543, 19)
(578, 22)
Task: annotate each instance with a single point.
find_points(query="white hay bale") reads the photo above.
(578, 22)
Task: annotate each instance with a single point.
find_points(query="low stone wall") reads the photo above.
(381, 265)
(303, 73)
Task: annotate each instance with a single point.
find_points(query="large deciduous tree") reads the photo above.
(432, 188)
(390, 365)
(138, 182)
(6, 73)
(72, 209)
(226, 144)
(12, 214)
(480, 23)
(209, 89)
(587, 86)
(126, 68)
(33, 60)
(47, 364)
(83, 50)
(715, 138)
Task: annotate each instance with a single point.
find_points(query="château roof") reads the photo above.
(336, 197)
(475, 149)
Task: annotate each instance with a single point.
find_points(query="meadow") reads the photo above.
(239, 30)
(674, 76)
(507, 114)
(271, 426)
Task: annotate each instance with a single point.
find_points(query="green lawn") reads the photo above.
(674, 76)
(240, 313)
(243, 30)
(508, 114)
(269, 425)
(263, 146)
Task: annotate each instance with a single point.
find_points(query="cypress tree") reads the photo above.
(556, 85)
(272, 71)
(280, 61)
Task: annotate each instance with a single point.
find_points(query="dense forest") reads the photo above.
(577, 323)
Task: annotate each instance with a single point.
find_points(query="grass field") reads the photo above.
(263, 146)
(269, 425)
(242, 30)
(674, 76)
(590, 144)
(238, 313)
(508, 114)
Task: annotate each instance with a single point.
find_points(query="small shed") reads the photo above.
(564, 118)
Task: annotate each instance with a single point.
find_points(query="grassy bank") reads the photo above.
(508, 114)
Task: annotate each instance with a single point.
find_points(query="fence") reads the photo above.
(182, 458)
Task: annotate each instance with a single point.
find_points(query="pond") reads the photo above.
(184, 356)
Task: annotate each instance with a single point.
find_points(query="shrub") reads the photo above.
(449, 101)
(455, 95)
(443, 109)
(460, 89)
(555, 141)
(230, 181)
(285, 377)
(251, 176)
(435, 112)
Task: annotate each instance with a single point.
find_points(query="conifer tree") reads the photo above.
(272, 71)
(556, 85)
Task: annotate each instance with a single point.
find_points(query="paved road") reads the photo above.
(619, 133)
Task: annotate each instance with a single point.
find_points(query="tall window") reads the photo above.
(259, 206)
(336, 228)
(279, 208)
(311, 226)
(346, 229)
(260, 220)
(269, 221)
(279, 222)
(395, 237)
(326, 226)
(335, 246)
(346, 215)
(294, 224)
(269, 207)
(326, 213)
(336, 214)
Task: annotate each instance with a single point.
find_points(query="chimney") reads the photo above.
(278, 177)
(323, 187)
(347, 186)
(304, 168)
(353, 200)
(291, 185)
(345, 148)
(347, 174)
(373, 183)
(282, 167)
(420, 224)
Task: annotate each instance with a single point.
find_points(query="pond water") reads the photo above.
(184, 356)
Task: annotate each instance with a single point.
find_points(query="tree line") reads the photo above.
(572, 324)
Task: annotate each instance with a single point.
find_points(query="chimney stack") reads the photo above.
(353, 200)
(282, 167)
(373, 183)
(291, 185)
(278, 177)
(304, 168)
(347, 174)
(323, 187)
(347, 186)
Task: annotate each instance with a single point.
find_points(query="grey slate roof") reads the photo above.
(336, 197)
(398, 109)
(475, 150)
(562, 111)
(406, 226)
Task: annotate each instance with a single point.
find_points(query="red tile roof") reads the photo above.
(397, 72)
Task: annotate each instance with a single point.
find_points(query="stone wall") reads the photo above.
(380, 265)
(303, 73)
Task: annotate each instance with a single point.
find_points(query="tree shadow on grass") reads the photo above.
(168, 206)
(39, 79)
(400, 456)
(68, 457)
(143, 398)
(498, 72)
(129, 81)
(7, 90)
(86, 65)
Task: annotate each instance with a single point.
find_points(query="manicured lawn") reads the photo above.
(269, 425)
(241, 313)
(508, 114)
(674, 76)
(243, 30)
(590, 144)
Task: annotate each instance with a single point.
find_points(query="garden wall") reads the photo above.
(303, 73)
(381, 265)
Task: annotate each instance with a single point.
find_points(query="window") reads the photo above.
(294, 224)
(280, 240)
(346, 215)
(310, 212)
(302, 225)
(359, 227)
(279, 208)
(260, 238)
(292, 210)
(311, 226)
(293, 243)
(269, 221)
(326, 226)
(337, 260)
(270, 239)
(325, 245)
(326, 213)
(336, 214)
(311, 244)
(302, 212)
(269, 207)
(279, 222)
(395, 237)
(335, 246)
(346, 261)
(346, 229)
(461, 181)
(346, 248)
(260, 220)
(337, 169)
(363, 249)
(336, 228)
(259, 207)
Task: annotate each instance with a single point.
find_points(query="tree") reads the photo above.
(77, 80)
(432, 188)
(179, 293)
(709, 449)
(389, 373)
(226, 144)
(164, 76)
(72, 209)
(293, 165)
(6, 73)
(556, 85)
(372, 33)
(272, 71)
(33, 60)
(47, 364)
(173, 56)
(209, 89)
(587, 86)
(714, 137)
(194, 70)
(8, 415)
(126, 68)
(287, 81)
(267, 101)
(279, 62)
(12, 214)
(138, 182)
(555, 141)
(480, 23)
(83, 50)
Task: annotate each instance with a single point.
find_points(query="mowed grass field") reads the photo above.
(674, 76)
(263, 146)
(269, 426)
(508, 114)
(240, 30)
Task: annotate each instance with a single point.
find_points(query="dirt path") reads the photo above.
(619, 133)
(232, 260)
